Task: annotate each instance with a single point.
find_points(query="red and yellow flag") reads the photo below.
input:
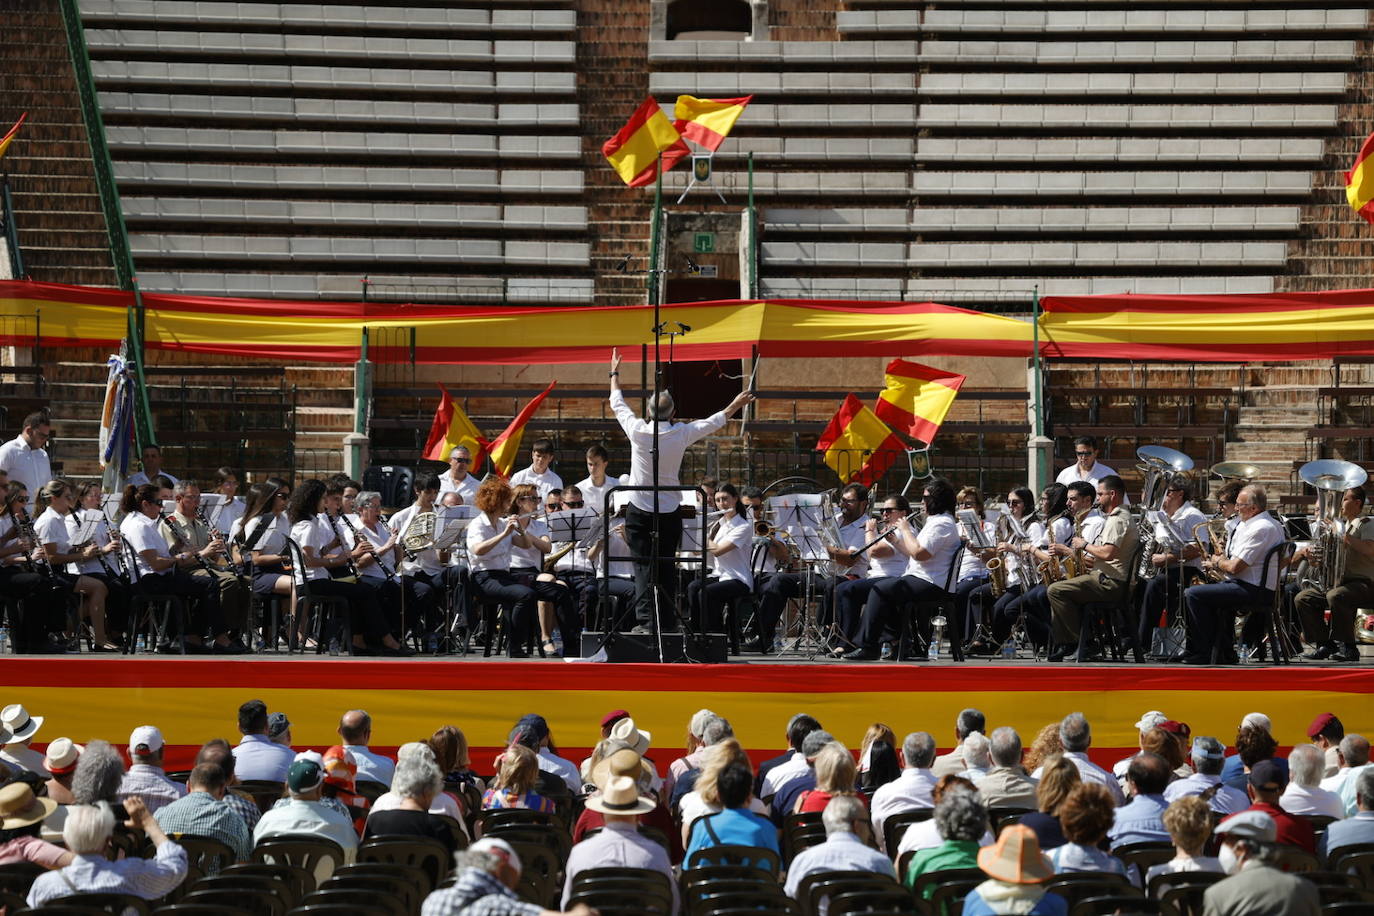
(505, 448)
(1359, 181)
(633, 151)
(452, 428)
(917, 398)
(5, 140)
(857, 445)
(708, 121)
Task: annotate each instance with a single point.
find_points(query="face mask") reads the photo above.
(1227, 857)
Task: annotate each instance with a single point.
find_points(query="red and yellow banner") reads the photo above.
(858, 446)
(633, 152)
(1359, 182)
(193, 700)
(916, 398)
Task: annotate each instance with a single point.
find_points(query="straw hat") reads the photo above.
(17, 721)
(62, 755)
(620, 796)
(1016, 857)
(20, 808)
(623, 762)
(626, 734)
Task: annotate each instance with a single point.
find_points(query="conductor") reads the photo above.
(646, 507)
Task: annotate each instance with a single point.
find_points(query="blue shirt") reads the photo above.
(1234, 775)
(371, 766)
(257, 757)
(733, 827)
(1140, 821)
(841, 851)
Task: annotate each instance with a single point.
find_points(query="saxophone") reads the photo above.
(1073, 566)
(1216, 531)
(1050, 570)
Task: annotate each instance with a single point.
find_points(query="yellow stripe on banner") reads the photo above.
(1237, 328)
(189, 716)
(795, 323)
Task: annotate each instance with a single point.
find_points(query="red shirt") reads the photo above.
(1292, 831)
(816, 800)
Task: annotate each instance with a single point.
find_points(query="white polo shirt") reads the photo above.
(544, 482)
(734, 564)
(484, 528)
(29, 466)
(466, 488)
(940, 537)
(1252, 542)
(142, 533)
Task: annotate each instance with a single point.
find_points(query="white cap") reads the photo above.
(145, 740)
(1257, 720)
(1150, 720)
(499, 848)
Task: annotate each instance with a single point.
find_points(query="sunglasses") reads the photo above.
(461, 460)
(576, 505)
(1084, 454)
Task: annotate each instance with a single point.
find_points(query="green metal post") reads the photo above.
(753, 237)
(356, 443)
(144, 431)
(1040, 445)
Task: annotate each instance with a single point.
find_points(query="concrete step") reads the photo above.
(1279, 416)
(1296, 396)
(338, 420)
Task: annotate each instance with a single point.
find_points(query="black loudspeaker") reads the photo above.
(703, 648)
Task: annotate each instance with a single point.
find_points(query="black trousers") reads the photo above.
(418, 596)
(37, 606)
(517, 604)
(620, 597)
(1162, 590)
(885, 603)
(639, 526)
(708, 603)
(365, 611)
(205, 615)
(450, 582)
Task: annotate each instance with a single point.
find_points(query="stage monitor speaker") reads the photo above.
(706, 648)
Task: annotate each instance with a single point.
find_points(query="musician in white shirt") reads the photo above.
(1034, 606)
(230, 510)
(152, 468)
(1212, 607)
(972, 588)
(931, 552)
(1024, 532)
(490, 537)
(728, 546)
(617, 586)
(527, 566)
(597, 483)
(89, 522)
(1336, 640)
(457, 478)
(322, 550)
(447, 584)
(884, 562)
(1174, 569)
(25, 457)
(539, 473)
(184, 528)
(159, 572)
(259, 536)
(377, 568)
(573, 571)
(1086, 467)
(56, 501)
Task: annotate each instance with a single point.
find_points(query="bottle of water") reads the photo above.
(1244, 653)
(333, 646)
(4, 640)
(933, 652)
(1008, 650)
(142, 644)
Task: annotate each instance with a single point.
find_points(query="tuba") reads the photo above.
(1160, 467)
(1326, 557)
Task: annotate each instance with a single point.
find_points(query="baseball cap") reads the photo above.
(613, 717)
(277, 723)
(535, 726)
(1257, 720)
(1320, 723)
(499, 848)
(1206, 748)
(1255, 825)
(1177, 729)
(304, 775)
(1269, 776)
(1150, 720)
(145, 740)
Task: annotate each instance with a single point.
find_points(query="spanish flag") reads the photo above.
(857, 445)
(633, 151)
(1359, 181)
(505, 448)
(5, 140)
(917, 398)
(450, 429)
(708, 121)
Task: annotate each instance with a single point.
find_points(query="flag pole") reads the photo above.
(1040, 445)
(655, 290)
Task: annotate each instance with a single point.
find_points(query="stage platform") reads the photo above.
(196, 698)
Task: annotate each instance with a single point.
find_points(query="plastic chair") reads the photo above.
(296, 881)
(1356, 858)
(817, 886)
(67, 909)
(1143, 856)
(205, 856)
(896, 825)
(265, 792)
(200, 909)
(18, 877)
(801, 831)
(1276, 555)
(331, 608)
(608, 889)
(1183, 891)
(731, 854)
(257, 901)
(945, 605)
(318, 856)
(422, 852)
(1296, 860)
(495, 818)
(164, 616)
(361, 901)
(1078, 886)
(1120, 903)
(395, 884)
(865, 900)
(933, 880)
(370, 789)
(12, 902)
(539, 881)
(947, 896)
(109, 903)
(242, 882)
(412, 874)
(1331, 893)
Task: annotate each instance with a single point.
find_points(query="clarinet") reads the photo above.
(334, 526)
(26, 534)
(100, 557)
(215, 534)
(172, 527)
(358, 538)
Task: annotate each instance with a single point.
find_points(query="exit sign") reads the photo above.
(704, 242)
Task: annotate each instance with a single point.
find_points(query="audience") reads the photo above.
(1208, 759)
(619, 844)
(715, 731)
(60, 762)
(1140, 820)
(21, 821)
(877, 732)
(488, 872)
(1304, 795)
(913, 788)
(304, 813)
(836, 774)
(1254, 742)
(416, 783)
(442, 804)
(450, 748)
(705, 797)
(1045, 746)
(884, 767)
(355, 728)
(87, 833)
(279, 729)
(1359, 828)
(785, 801)
(517, 771)
(1256, 885)
(19, 730)
(202, 812)
(696, 728)
(1189, 822)
(1058, 778)
(1326, 732)
(1085, 817)
(257, 756)
(1075, 734)
(534, 731)
(218, 752)
(961, 821)
(1006, 784)
(977, 756)
(734, 824)
(1017, 871)
(951, 764)
(1354, 753)
(145, 778)
(1148, 722)
(1266, 784)
(926, 834)
(848, 836)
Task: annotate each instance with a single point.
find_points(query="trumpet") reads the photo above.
(763, 528)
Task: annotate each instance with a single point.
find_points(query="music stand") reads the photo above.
(450, 533)
(109, 505)
(809, 521)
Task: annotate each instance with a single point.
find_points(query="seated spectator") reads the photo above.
(962, 821)
(87, 834)
(1147, 723)
(450, 748)
(696, 727)
(1164, 742)
(303, 813)
(257, 756)
(977, 756)
(1085, 817)
(145, 778)
(717, 730)
(876, 732)
(355, 728)
(60, 762)
(847, 847)
(518, 768)
(883, 767)
(1209, 757)
(533, 731)
(912, 789)
(1326, 732)
(926, 834)
(1058, 777)
(19, 730)
(966, 723)
(1354, 756)
(341, 784)
(279, 729)
(1016, 870)
(776, 775)
(1140, 820)
(442, 803)
(735, 824)
(1006, 785)
(785, 801)
(1256, 886)
(1304, 795)
(1075, 734)
(619, 844)
(1254, 742)
(203, 812)
(218, 752)
(1267, 782)
(487, 874)
(836, 774)
(1358, 828)
(21, 821)
(626, 762)
(705, 797)
(1189, 822)
(99, 772)
(416, 783)
(1045, 746)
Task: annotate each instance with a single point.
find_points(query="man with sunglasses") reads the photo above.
(457, 479)
(1106, 556)
(1086, 467)
(1174, 570)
